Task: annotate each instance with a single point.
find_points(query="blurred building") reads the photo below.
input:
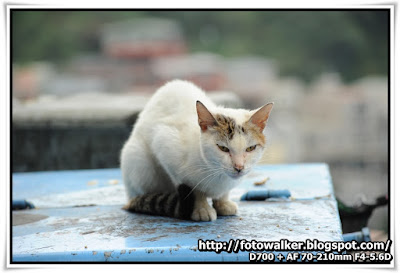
(347, 123)
(144, 54)
(253, 77)
(144, 38)
(204, 69)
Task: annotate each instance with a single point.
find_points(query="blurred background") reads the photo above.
(79, 79)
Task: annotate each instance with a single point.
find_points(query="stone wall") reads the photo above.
(85, 131)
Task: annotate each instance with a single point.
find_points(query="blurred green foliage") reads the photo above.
(304, 43)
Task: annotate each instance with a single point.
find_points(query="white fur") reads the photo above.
(167, 147)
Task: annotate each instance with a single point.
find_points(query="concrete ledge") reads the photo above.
(85, 131)
(92, 109)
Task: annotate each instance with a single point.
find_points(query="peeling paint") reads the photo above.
(194, 248)
(107, 254)
(19, 218)
(108, 228)
(92, 182)
(87, 232)
(113, 181)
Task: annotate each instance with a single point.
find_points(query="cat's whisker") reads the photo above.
(201, 171)
(209, 181)
(198, 184)
(198, 166)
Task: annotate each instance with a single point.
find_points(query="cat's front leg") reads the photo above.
(202, 211)
(224, 206)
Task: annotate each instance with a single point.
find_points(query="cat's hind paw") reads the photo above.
(225, 207)
(204, 214)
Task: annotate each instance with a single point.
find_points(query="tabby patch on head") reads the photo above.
(226, 127)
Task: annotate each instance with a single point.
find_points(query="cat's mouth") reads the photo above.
(238, 174)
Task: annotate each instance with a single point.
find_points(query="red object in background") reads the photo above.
(144, 49)
(25, 83)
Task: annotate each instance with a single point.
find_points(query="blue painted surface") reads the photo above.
(108, 233)
(33, 184)
(142, 255)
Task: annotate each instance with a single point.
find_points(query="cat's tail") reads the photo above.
(178, 204)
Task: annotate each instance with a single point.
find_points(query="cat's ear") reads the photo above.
(260, 117)
(205, 118)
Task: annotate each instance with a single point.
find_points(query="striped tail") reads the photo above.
(178, 204)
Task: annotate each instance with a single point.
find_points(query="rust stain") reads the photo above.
(87, 232)
(113, 181)
(92, 182)
(26, 218)
(176, 248)
(107, 254)
(322, 197)
(153, 239)
(194, 248)
(60, 223)
(262, 182)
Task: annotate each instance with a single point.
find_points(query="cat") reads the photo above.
(184, 149)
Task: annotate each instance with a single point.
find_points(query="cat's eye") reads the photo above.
(223, 148)
(251, 148)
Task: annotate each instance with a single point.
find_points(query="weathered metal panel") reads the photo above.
(107, 233)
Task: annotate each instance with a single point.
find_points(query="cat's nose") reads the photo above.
(238, 168)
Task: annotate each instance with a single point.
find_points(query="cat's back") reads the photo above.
(177, 94)
(174, 102)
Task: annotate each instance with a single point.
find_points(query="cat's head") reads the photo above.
(234, 140)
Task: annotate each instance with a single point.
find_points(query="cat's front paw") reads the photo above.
(204, 214)
(225, 207)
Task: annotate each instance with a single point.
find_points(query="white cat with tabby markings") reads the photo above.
(182, 137)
